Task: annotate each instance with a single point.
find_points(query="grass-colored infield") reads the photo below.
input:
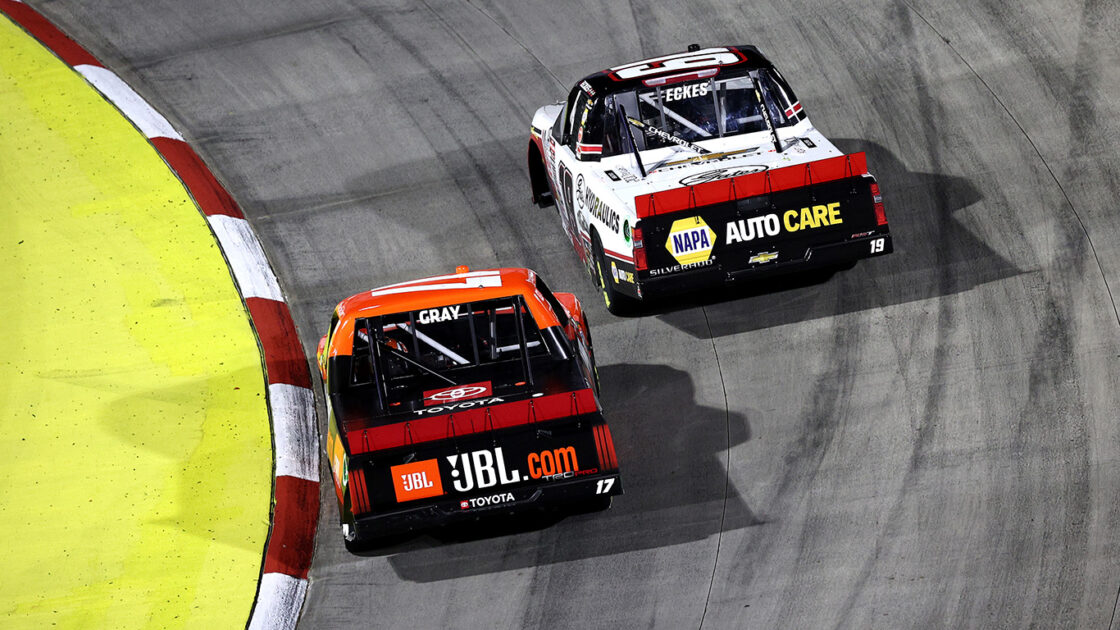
(135, 456)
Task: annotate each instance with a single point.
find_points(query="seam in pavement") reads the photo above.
(291, 403)
(726, 466)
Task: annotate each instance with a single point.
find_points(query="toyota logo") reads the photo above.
(448, 395)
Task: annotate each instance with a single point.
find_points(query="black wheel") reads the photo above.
(617, 303)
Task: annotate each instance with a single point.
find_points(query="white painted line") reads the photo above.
(293, 429)
(278, 602)
(148, 120)
(246, 258)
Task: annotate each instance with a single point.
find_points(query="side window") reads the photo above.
(360, 372)
(563, 127)
(576, 118)
(778, 102)
(613, 144)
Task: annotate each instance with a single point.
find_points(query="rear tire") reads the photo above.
(617, 303)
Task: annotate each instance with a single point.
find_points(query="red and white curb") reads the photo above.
(287, 558)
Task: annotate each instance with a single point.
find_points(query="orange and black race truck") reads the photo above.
(455, 396)
(699, 169)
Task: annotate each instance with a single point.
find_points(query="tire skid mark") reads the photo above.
(465, 163)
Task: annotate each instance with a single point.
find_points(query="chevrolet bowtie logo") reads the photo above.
(764, 257)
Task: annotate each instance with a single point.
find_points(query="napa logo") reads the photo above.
(690, 240)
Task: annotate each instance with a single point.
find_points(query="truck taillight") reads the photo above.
(639, 251)
(877, 199)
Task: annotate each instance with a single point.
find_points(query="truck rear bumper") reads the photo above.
(487, 503)
(724, 272)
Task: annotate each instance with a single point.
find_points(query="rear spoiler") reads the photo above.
(751, 185)
(472, 420)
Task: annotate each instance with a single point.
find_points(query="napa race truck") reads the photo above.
(462, 395)
(698, 169)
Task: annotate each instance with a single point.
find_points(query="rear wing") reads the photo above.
(751, 185)
(470, 417)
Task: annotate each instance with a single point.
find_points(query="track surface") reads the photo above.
(929, 439)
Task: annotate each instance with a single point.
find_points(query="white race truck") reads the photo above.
(697, 169)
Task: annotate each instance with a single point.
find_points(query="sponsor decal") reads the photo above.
(487, 468)
(456, 393)
(755, 227)
(549, 464)
(812, 217)
(690, 240)
(679, 92)
(806, 218)
(416, 480)
(589, 201)
(494, 499)
(586, 87)
(706, 159)
(861, 234)
(680, 62)
(584, 226)
(664, 271)
(480, 469)
(621, 275)
(626, 231)
(721, 173)
(449, 407)
(626, 175)
(763, 257)
(809, 143)
(613, 175)
(435, 315)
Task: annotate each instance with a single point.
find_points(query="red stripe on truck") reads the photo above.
(472, 420)
(752, 185)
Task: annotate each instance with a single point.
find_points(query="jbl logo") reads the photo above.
(417, 480)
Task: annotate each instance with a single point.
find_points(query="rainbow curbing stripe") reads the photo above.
(287, 558)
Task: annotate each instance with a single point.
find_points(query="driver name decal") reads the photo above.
(685, 91)
(445, 314)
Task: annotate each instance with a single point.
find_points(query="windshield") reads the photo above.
(417, 357)
(700, 109)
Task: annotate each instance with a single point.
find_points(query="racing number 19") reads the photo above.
(604, 486)
(877, 245)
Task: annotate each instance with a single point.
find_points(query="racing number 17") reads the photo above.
(604, 486)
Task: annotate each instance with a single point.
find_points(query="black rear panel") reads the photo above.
(752, 233)
(508, 463)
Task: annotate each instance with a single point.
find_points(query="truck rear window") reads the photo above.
(408, 354)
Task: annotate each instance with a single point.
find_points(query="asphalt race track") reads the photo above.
(927, 440)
